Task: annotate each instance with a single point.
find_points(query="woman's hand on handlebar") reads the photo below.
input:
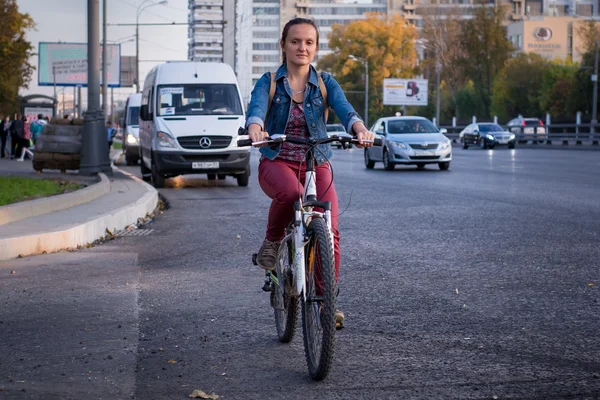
(362, 133)
(256, 134)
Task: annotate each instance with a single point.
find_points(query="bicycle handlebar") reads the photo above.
(309, 141)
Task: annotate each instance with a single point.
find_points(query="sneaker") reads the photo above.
(339, 319)
(20, 159)
(267, 255)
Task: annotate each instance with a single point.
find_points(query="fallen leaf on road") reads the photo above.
(172, 362)
(238, 237)
(199, 394)
(456, 291)
(590, 284)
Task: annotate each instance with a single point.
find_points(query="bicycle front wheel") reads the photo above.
(318, 310)
(284, 299)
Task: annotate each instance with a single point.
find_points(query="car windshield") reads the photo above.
(400, 126)
(207, 99)
(134, 116)
(336, 128)
(490, 128)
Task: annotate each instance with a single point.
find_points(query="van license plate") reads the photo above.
(205, 165)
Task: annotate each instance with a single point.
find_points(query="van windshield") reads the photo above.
(198, 99)
(134, 116)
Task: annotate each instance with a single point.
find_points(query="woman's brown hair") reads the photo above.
(292, 22)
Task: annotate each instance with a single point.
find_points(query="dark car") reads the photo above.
(528, 129)
(486, 135)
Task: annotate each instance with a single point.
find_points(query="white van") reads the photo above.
(131, 128)
(190, 116)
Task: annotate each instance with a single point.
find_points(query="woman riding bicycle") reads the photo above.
(297, 109)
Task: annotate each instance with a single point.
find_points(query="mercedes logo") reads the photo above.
(205, 142)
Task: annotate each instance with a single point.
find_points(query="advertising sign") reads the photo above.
(32, 112)
(405, 92)
(67, 62)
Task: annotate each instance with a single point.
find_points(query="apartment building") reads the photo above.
(211, 31)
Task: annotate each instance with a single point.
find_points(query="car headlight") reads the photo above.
(513, 136)
(490, 137)
(399, 145)
(165, 140)
(132, 139)
(445, 145)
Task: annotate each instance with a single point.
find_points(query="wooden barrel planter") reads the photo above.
(59, 146)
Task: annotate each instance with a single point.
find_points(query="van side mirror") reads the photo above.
(380, 132)
(443, 130)
(144, 114)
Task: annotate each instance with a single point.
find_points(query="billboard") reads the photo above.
(68, 63)
(405, 92)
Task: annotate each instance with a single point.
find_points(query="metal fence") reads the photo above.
(566, 134)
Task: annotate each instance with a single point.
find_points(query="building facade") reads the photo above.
(211, 31)
(246, 33)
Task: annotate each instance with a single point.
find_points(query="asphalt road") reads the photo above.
(481, 282)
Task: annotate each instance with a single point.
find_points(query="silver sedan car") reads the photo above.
(411, 141)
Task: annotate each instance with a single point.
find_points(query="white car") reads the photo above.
(338, 130)
(410, 141)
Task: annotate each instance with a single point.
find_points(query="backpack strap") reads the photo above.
(271, 95)
(322, 88)
(324, 94)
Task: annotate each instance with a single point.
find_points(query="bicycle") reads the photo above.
(305, 253)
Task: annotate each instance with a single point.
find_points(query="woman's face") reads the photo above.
(300, 44)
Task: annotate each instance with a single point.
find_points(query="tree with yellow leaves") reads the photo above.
(388, 45)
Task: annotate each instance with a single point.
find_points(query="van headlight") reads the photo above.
(165, 140)
(513, 136)
(490, 137)
(445, 145)
(132, 139)
(398, 145)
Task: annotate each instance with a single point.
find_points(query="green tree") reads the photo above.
(518, 86)
(15, 50)
(486, 49)
(441, 39)
(388, 45)
(558, 93)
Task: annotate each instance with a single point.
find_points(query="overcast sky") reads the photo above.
(66, 21)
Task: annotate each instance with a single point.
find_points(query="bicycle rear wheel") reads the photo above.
(318, 311)
(284, 300)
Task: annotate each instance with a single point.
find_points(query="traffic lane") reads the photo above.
(431, 311)
(535, 180)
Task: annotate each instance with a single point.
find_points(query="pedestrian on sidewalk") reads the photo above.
(4, 125)
(17, 128)
(110, 133)
(36, 127)
(25, 142)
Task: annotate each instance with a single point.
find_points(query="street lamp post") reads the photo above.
(94, 147)
(366, 64)
(141, 8)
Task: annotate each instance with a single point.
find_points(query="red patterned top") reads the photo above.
(296, 127)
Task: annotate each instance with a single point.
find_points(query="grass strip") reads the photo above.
(15, 189)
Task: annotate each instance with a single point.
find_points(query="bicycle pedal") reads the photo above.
(254, 258)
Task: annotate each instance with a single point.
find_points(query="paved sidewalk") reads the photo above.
(126, 200)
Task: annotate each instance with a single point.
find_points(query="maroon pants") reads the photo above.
(279, 180)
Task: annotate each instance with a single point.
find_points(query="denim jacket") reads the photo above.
(314, 109)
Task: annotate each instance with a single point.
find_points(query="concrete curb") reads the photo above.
(82, 234)
(33, 208)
